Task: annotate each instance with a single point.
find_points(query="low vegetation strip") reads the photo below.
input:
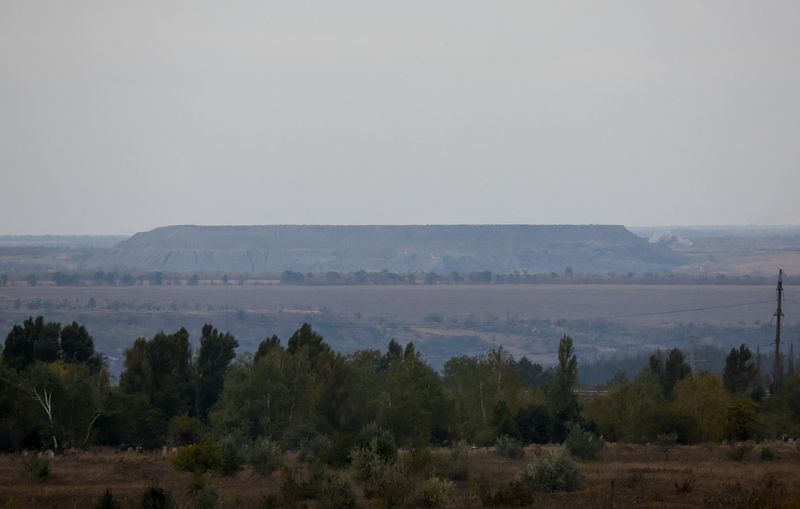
(622, 475)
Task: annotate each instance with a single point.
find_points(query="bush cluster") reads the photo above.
(739, 452)
(199, 458)
(583, 444)
(107, 501)
(432, 492)
(509, 447)
(266, 456)
(553, 472)
(38, 467)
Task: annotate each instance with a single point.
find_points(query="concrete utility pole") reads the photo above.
(777, 365)
(692, 361)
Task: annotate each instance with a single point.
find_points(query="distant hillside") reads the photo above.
(443, 248)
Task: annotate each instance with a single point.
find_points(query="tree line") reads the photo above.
(56, 393)
(382, 277)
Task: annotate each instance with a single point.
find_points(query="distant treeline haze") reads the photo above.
(361, 277)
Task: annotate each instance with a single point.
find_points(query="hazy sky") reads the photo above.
(117, 117)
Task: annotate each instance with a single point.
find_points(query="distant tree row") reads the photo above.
(383, 277)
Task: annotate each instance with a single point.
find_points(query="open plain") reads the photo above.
(644, 304)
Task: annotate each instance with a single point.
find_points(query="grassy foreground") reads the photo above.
(622, 476)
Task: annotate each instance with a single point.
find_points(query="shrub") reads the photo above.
(38, 467)
(385, 445)
(583, 444)
(268, 502)
(768, 454)
(453, 465)
(553, 472)
(516, 493)
(419, 458)
(266, 456)
(184, 430)
(432, 492)
(738, 452)
(686, 484)
(199, 458)
(666, 441)
(509, 447)
(338, 454)
(316, 448)
(367, 463)
(154, 498)
(293, 491)
(203, 495)
(107, 501)
(393, 487)
(234, 449)
(336, 492)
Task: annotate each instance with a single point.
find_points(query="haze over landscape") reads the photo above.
(426, 254)
(126, 118)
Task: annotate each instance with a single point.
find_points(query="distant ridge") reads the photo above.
(397, 248)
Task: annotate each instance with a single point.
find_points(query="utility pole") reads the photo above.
(692, 361)
(777, 365)
(758, 360)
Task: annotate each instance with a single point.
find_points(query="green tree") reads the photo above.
(740, 370)
(631, 412)
(782, 409)
(266, 345)
(669, 371)
(703, 399)
(532, 374)
(305, 338)
(742, 421)
(159, 374)
(561, 399)
(216, 353)
(503, 420)
(68, 399)
(339, 406)
(268, 396)
(34, 340)
(413, 403)
(478, 385)
(76, 343)
(533, 423)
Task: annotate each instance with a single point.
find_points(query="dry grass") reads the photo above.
(623, 476)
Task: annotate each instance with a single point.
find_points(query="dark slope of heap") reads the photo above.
(413, 248)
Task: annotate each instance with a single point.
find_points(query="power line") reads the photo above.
(688, 310)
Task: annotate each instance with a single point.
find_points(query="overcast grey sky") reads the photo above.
(117, 117)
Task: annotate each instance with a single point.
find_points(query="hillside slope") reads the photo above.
(440, 248)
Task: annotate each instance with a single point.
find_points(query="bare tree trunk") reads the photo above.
(89, 429)
(483, 407)
(46, 400)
